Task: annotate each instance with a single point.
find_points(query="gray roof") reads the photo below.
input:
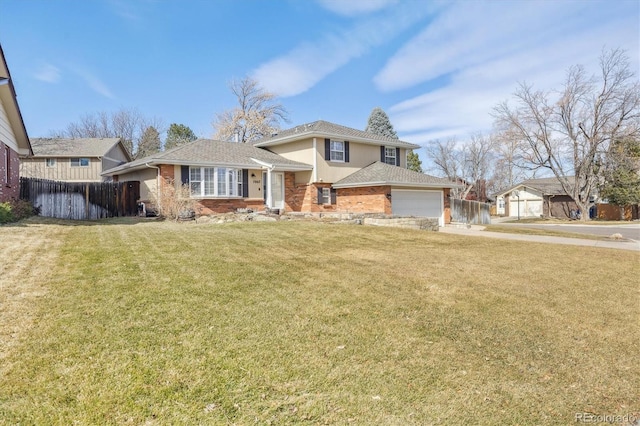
(324, 129)
(208, 152)
(80, 147)
(547, 186)
(379, 173)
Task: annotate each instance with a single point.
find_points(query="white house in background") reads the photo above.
(542, 197)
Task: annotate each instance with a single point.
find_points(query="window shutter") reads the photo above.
(185, 174)
(319, 195)
(346, 151)
(397, 156)
(382, 154)
(245, 183)
(333, 195)
(327, 149)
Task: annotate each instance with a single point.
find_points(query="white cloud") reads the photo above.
(48, 73)
(125, 9)
(355, 7)
(481, 50)
(94, 83)
(308, 63)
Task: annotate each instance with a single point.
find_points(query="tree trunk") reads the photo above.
(584, 211)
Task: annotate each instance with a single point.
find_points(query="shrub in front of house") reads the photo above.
(15, 210)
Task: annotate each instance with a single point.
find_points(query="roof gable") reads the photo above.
(324, 129)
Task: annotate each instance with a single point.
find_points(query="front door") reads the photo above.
(277, 190)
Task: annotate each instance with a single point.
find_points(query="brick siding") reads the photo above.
(371, 199)
(228, 205)
(10, 189)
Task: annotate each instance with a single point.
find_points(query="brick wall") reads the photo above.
(167, 172)
(227, 205)
(371, 199)
(11, 188)
(303, 197)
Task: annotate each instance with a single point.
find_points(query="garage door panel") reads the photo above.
(416, 203)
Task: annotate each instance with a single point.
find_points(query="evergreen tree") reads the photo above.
(380, 124)
(413, 162)
(178, 134)
(622, 175)
(149, 143)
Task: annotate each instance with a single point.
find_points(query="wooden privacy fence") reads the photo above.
(472, 212)
(81, 200)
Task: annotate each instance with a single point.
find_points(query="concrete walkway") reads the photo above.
(478, 231)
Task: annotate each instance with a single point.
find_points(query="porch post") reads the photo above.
(269, 196)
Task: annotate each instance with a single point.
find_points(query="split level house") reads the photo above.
(14, 141)
(73, 160)
(319, 167)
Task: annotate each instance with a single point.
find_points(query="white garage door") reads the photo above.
(528, 208)
(406, 202)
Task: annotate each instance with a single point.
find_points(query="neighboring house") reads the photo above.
(543, 197)
(317, 167)
(14, 141)
(73, 160)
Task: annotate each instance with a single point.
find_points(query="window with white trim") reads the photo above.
(390, 155)
(80, 162)
(337, 151)
(50, 162)
(326, 195)
(215, 182)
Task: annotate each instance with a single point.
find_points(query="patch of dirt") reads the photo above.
(29, 253)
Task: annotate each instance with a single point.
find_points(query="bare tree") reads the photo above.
(571, 133)
(510, 164)
(257, 114)
(467, 163)
(128, 124)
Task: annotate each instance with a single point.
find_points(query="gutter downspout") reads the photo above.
(314, 177)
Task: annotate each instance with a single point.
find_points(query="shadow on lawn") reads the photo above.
(40, 220)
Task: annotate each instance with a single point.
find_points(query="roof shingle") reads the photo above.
(80, 147)
(379, 173)
(208, 152)
(325, 128)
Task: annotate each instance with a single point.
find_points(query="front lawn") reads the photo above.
(135, 322)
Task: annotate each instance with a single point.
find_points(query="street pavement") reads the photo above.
(478, 231)
(629, 232)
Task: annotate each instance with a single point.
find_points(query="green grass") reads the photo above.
(295, 322)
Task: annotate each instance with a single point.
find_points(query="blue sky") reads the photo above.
(437, 68)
